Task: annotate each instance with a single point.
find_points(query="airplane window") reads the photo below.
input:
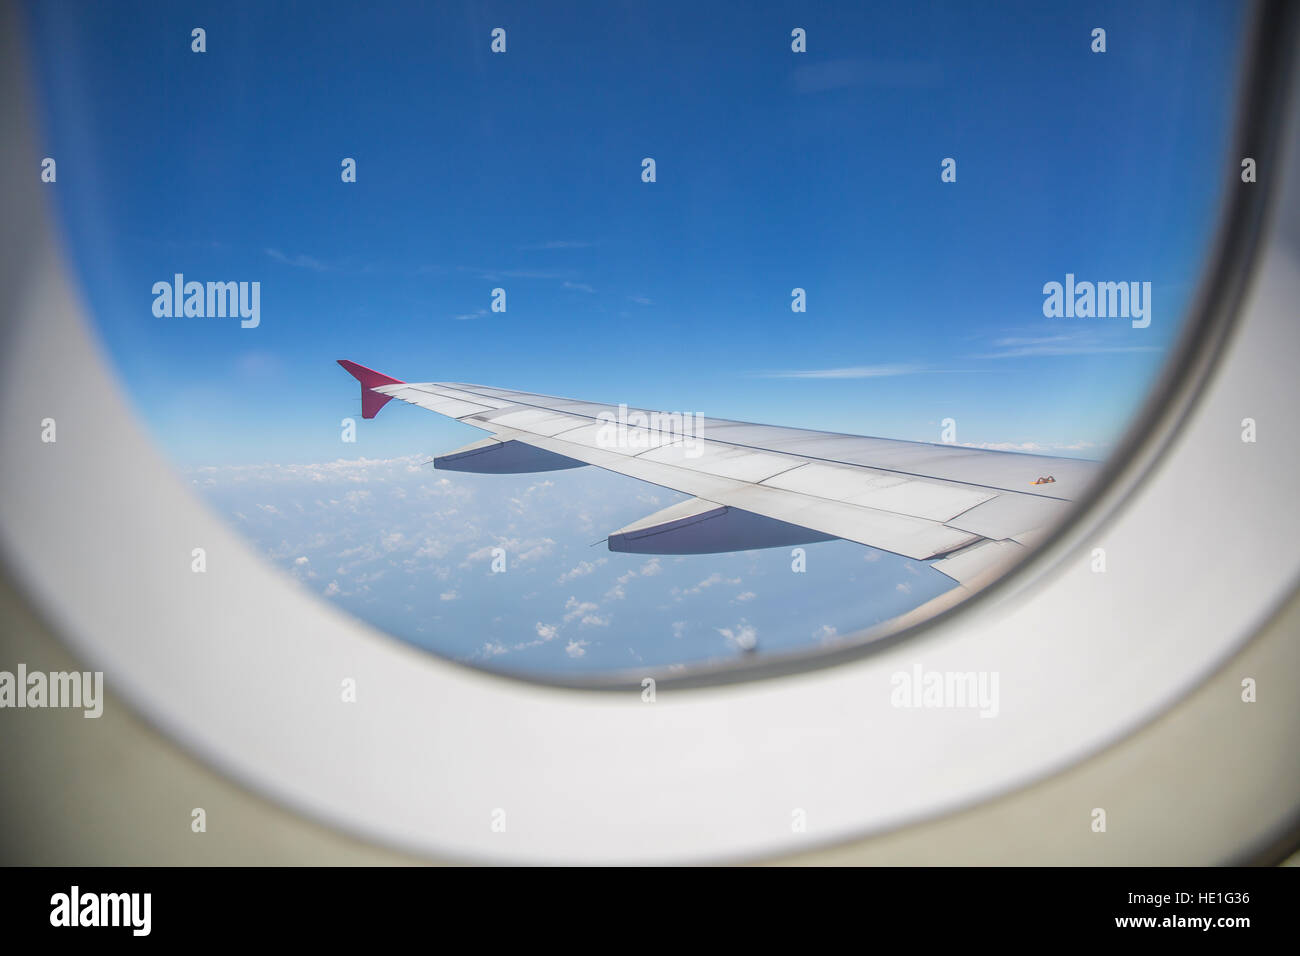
(571, 343)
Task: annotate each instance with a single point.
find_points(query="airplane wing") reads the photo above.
(971, 512)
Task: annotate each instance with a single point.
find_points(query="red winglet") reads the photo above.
(371, 402)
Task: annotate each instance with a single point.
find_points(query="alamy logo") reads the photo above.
(212, 300)
(75, 908)
(1102, 300)
(55, 689)
(946, 690)
(639, 431)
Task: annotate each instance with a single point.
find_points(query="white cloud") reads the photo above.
(545, 633)
(856, 371)
(300, 261)
(433, 548)
(576, 649)
(710, 581)
(352, 470)
(575, 608)
(744, 636)
(1033, 446)
(582, 570)
(647, 570)
(1075, 343)
(533, 550)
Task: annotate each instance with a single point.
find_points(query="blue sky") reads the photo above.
(775, 170)
(521, 170)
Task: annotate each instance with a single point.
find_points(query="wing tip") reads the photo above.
(371, 402)
(367, 376)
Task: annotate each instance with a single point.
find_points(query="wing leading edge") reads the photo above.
(970, 511)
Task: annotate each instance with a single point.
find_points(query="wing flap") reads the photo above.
(881, 490)
(981, 563)
(1009, 515)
